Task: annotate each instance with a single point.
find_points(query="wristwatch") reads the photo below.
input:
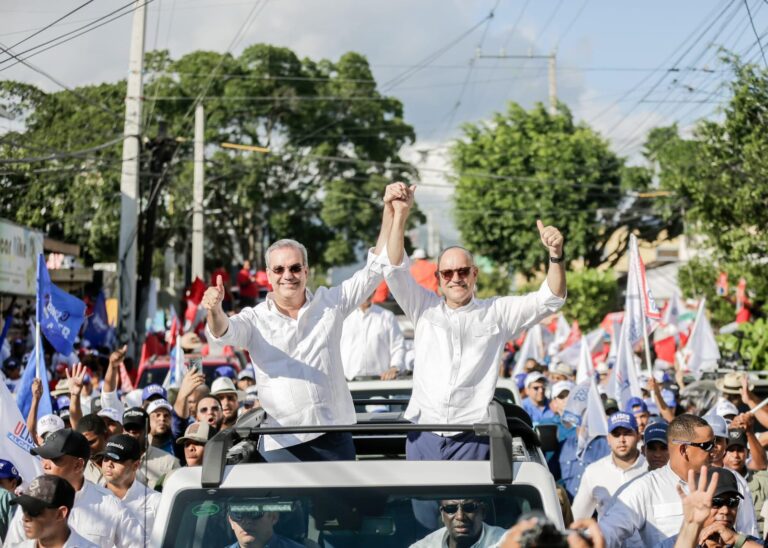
(559, 259)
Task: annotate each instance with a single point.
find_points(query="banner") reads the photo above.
(19, 247)
(16, 440)
(97, 328)
(59, 314)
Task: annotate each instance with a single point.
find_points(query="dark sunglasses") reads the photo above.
(246, 516)
(730, 502)
(293, 269)
(463, 272)
(706, 446)
(466, 507)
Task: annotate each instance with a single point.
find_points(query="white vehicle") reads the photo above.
(379, 500)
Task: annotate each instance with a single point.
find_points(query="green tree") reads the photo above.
(592, 294)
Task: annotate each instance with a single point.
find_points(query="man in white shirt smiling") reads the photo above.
(458, 339)
(293, 338)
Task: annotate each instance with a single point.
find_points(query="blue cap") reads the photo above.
(622, 420)
(635, 402)
(669, 398)
(11, 363)
(8, 470)
(224, 371)
(656, 431)
(153, 390)
(62, 402)
(520, 379)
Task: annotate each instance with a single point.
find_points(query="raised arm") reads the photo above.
(218, 322)
(553, 241)
(400, 199)
(113, 369)
(37, 394)
(75, 383)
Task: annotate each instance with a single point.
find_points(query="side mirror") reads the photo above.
(548, 437)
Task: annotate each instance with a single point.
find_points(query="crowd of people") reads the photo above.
(660, 476)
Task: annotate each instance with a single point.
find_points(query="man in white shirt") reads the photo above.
(96, 515)
(458, 339)
(464, 526)
(293, 338)
(604, 477)
(650, 504)
(121, 460)
(46, 506)
(156, 464)
(372, 344)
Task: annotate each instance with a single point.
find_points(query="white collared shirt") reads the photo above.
(97, 516)
(457, 351)
(489, 538)
(74, 541)
(651, 505)
(143, 503)
(600, 482)
(371, 343)
(298, 361)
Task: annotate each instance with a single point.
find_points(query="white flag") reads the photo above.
(585, 368)
(16, 440)
(573, 412)
(532, 349)
(177, 368)
(595, 422)
(625, 382)
(572, 354)
(673, 310)
(701, 350)
(639, 301)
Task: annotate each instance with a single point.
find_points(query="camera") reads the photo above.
(544, 534)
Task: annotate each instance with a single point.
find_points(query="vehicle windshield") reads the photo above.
(343, 517)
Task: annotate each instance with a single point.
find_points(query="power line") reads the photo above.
(752, 23)
(571, 24)
(60, 155)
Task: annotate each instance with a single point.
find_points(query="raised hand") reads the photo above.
(403, 204)
(117, 357)
(551, 238)
(37, 389)
(395, 191)
(75, 379)
(697, 504)
(214, 295)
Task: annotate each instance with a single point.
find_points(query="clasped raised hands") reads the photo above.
(399, 197)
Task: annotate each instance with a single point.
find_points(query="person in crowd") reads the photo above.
(247, 285)
(372, 344)
(730, 388)
(655, 448)
(293, 339)
(151, 393)
(463, 525)
(720, 430)
(604, 477)
(192, 390)
(194, 440)
(46, 506)
(639, 409)
(536, 403)
(424, 271)
(96, 515)
(95, 431)
(256, 528)
(10, 479)
(757, 456)
(709, 513)
(121, 459)
(12, 372)
(736, 457)
(245, 378)
(223, 389)
(458, 339)
(560, 372)
(610, 406)
(155, 464)
(47, 424)
(160, 434)
(573, 461)
(113, 419)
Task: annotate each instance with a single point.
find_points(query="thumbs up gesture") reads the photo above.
(214, 295)
(551, 238)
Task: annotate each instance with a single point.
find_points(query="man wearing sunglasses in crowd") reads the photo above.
(650, 504)
(293, 338)
(254, 528)
(463, 527)
(458, 339)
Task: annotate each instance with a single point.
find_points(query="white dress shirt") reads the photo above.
(143, 503)
(371, 343)
(457, 351)
(97, 515)
(651, 505)
(600, 482)
(74, 541)
(490, 538)
(298, 361)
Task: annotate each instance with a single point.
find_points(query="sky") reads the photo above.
(622, 67)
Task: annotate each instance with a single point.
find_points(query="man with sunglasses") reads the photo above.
(293, 338)
(753, 482)
(458, 339)
(254, 528)
(463, 527)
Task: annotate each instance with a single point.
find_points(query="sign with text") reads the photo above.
(19, 248)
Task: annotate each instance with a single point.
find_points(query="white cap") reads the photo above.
(158, 404)
(252, 390)
(223, 385)
(718, 425)
(725, 408)
(49, 423)
(531, 378)
(419, 253)
(246, 373)
(133, 398)
(111, 413)
(560, 387)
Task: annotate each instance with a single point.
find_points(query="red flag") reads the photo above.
(610, 319)
(196, 291)
(575, 335)
(665, 349)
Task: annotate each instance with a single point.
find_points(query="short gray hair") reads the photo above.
(286, 242)
(466, 251)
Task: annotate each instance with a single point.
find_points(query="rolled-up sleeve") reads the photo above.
(521, 312)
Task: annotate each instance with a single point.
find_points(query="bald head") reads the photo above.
(456, 250)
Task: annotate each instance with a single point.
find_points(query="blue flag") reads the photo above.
(59, 314)
(24, 387)
(97, 328)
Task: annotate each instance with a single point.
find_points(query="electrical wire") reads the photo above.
(752, 23)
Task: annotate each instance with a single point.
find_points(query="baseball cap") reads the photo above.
(153, 391)
(62, 402)
(222, 385)
(224, 371)
(121, 447)
(636, 402)
(718, 425)
(8, 470)
(656, 431)
(622, 420)
(46, 491)
(246, 373)
(112, 414)
(726, 481)
(11, 363)
(534, 377)
(724, 408)
(63, 442)
(49, 423)
(737, 436)
(610, 406)
(158, 404)
(135, 417)
(560, 387)
(198, 432)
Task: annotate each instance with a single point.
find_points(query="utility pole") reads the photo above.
(197, 194)
(129, 181)
(552, 71)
